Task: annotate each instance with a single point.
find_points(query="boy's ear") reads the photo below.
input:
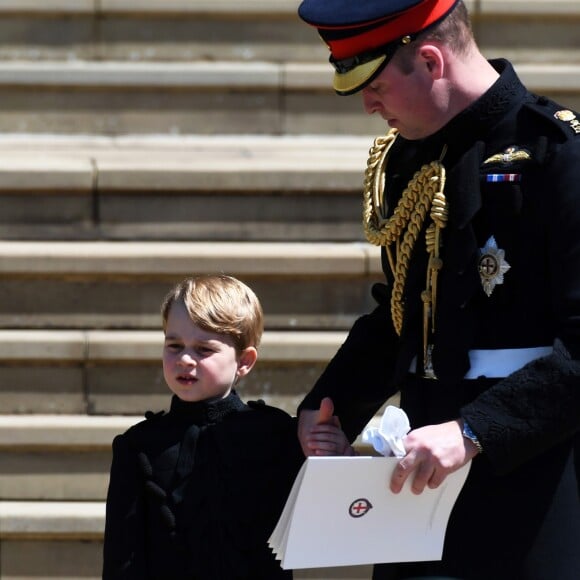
(247, 360)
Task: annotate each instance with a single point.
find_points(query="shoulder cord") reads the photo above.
(423, 193)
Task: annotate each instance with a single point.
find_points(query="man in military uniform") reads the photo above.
(474, 198)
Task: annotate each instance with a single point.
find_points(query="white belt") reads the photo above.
(498, 363)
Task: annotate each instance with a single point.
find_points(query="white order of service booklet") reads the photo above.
(341, 512)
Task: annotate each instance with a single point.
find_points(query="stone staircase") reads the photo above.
(142, 141)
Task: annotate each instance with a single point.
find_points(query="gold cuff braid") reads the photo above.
(399, 233)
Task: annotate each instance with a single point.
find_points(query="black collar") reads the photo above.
(206, 412)
(476, 121)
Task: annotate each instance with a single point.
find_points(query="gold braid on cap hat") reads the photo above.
(398, 233)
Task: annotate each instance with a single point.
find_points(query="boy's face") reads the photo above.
(199, 365)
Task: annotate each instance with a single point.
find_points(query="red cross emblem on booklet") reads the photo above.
(359, 507)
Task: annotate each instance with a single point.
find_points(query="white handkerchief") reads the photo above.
(388, 438)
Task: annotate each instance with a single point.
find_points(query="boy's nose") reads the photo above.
(187, 360)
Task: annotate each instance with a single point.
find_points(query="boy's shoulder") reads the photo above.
(260, 438)
(263, 407)
(259, 414)
(148, 428)
(261, 422)
(150, 420)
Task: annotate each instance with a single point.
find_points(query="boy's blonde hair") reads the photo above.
(220, 304)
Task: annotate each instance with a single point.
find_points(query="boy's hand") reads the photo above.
(319, 432)
(326, 413)
(326, 439)
(308, 419)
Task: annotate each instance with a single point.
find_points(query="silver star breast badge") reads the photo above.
(492, 266)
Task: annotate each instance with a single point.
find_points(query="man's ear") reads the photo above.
(246, 361)
(432, 58)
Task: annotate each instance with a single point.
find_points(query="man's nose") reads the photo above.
(369, 101)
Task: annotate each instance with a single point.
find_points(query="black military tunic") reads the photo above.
(512, 161)
(195, 493)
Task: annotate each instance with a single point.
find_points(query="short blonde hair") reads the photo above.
(454, 30)
(221, 304)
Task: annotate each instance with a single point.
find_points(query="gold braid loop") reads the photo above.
(374, 185)
(398, 233)
(439, 214)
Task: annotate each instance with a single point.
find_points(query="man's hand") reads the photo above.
(433, 452)
(309, 419)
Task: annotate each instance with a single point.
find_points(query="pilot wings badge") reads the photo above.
(492, 266)
(510, 156)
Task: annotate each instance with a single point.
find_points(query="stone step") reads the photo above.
(527, 31)
(51, 540)
(57, 458)
(119, 372)
(63, 541)
(264, 98)
(170, 30)
(303, 188)
(120, 285)
(117, 98)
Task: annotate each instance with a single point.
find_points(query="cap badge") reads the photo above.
(569, 117)
(492, 266)
(509, 156)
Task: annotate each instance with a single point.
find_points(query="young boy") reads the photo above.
(194, 493)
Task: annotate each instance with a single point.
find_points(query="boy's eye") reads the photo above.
(173, 346)
(205, 350)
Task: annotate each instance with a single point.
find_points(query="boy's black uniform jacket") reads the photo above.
(527, 422)
(195, 493)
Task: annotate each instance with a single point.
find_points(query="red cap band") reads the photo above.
(409, 22)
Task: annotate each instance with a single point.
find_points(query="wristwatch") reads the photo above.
(469, 434)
